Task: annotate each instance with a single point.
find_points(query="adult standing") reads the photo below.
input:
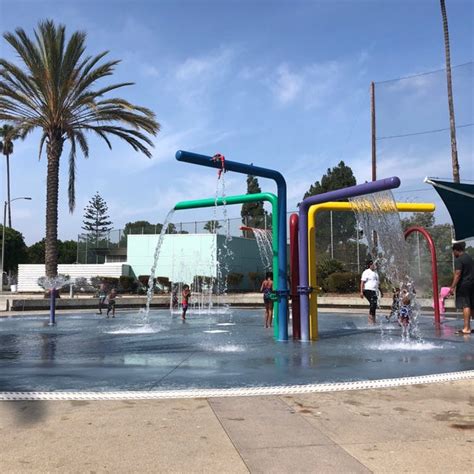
(463, 284)
(369, 287)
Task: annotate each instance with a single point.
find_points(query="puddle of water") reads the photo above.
(215, 331)
(225, 324)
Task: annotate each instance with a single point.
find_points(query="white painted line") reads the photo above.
(239, 392)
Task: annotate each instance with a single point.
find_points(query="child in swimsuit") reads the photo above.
(111, 302)
(186, 293)
(267, 290)
(404, 315)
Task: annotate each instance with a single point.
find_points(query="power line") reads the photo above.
(422, 73)
(424, 132)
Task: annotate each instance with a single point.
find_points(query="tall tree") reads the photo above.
(16, 250)
(96, 220)
(212, 226)
(343, 223)
(253, 213)
(55, 90)
(67, 252)
(7, 135)
(452, 123)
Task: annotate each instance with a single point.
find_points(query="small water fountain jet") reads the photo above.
(156, 255)
(53, 284)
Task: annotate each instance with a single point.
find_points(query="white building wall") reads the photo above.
(183, 256)
(28, 274)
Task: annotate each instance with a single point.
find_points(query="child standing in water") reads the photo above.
(404, 314)
(186, 293)
(266, 289)
(111, 302)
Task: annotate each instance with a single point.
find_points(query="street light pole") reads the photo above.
(5, 204)
(3, 241)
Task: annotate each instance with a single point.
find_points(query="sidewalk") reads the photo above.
(420, 428)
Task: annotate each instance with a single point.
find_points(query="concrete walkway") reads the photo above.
(420, 428)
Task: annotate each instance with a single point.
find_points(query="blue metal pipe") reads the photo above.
(352, 191)
(282, 286)
(52, 307)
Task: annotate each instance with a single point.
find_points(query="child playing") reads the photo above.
(266, 289)
(102, 296)
(111, 302)
(186, 293)
(395, 304)
(404, 314)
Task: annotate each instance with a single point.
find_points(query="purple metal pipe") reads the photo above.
(358, 190)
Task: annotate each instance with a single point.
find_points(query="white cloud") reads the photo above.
(287, 85)
(206, 66)
(312, 85)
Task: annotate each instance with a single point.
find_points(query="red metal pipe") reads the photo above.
(434, 267)
(295, 276)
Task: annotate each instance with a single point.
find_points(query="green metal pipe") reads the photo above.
(241, 199)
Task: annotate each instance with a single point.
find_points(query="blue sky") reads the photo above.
(281, 84)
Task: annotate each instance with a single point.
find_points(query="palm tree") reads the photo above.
(55, 90)
(452, 123)
(7, 135)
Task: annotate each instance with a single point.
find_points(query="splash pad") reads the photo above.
(85, 353)
(226, 353)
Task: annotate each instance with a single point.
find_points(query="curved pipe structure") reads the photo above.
(434, 267)
(338, 206)
(352, 191)
(294, 276)
(282, 286)
(241, 199)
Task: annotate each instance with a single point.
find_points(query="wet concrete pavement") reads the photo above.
(419, 428)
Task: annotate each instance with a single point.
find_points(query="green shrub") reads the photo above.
(110, 282)
(324, 269)
(256, 279)
(143, 282)
(234, 279)
(128, 284)
(343, 282)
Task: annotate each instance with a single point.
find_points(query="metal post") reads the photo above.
(358, 251)
(332, 236)
(418, 252)
(373, 125)
(52, 307)
(3, 242)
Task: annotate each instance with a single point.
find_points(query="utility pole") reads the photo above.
(374, 147)
(452, 124)
(372, 120)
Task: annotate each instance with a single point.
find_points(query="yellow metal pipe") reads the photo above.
(337, 206)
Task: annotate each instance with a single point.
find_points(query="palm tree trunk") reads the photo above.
(54, 150)
(454, 149)
(8, 191)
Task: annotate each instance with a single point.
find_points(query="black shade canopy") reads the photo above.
(459, 200)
